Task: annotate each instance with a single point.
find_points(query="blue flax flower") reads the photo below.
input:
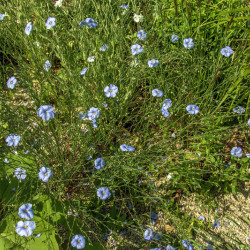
(47, 65)
(167, 103)
(83, 116)
(103, 47)
(99, 163)
(2, 16)
(169, 247)
(83, 71)
(28, 28)
(13, 140)
(125, 147)
(201, 218)
(44, 174)
(192, 109)
(93, 113)
(239, 110)
(153, 63)
(51, 22)
(26, 212)
(216, 224)
(174, 38)
(110, 91)
(136, 49)
(20, 173)
(125, 7)
(12, 81)
(188, 43)
(236, 151)
(154, 216)
(142, 35)
(187, 244)
(248, 122)
(157, 92)
(78, 241)
(227, 51)
(46, 112)
(103, 193)
(148, 234)
(90, 22)
(25, 228)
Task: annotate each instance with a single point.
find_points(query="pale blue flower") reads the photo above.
(25, 228)
(2, 16)
(148, 234)
(103, 47)
(136, 49)
(187, 244)
(38, 235)
(157, 92)
(26, 212)
(153, 63)
(13, 140)
(142, 35)
(167, 103)
(248, 155)
(174, 38)
(227, 51)
(125, 147)
(12, 81)
(103, 193)
(192, 109)
(110, 91)
(20, 173)
(93, 113)
(46, 112)
(125, 7)
(216, 224)
(105, 105)
(88, 21)
(44, 174)
(83, 71)
(47, 65)
(99, 163)
(188, 43)
(236, 151)
(239, 110)
(28, 28)
(83, 116)
(201, 218)
(169, 247)
(91, 59)
(51, 22)
(154, 216)
(78, 241)
(248, 122)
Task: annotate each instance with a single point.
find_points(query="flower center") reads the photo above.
(26, 210)
(13, 140)
(78, 240)
(226, 50)
(46, 112)
(192, 108)
(11, 82)
(110, 90)
(188, 43)
(46, 174)
(103, 192)
(93, 113)
(50, 22)
(25, 226)
(136, 49)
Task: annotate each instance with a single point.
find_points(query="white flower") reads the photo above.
(138, 18)
(91, 59)
(58, 3)
(169, 176)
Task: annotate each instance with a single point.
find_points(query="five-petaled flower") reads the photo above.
(165, 112)
(174, 38)
(111, 91)
(192, 109)
(47, 65)
(25, 228)
(93, 113)
(103, 193)
(187, 244)
(46, 112)
(188, 43)
(142, 35)
(78, 241)
(136, 49)
(13, 140)
(26, 212)
(227, 51)
(12, 81)
(157, 92)
(236, 151)
(167, 103)
(88, 21)
(125, 147)
(153, 63)
(239, 110)
(51, 22)
(44, 174)
(20, 173)
(83, 71)
(28, 28)
(148, 234)
(103, 47)
(99, 163)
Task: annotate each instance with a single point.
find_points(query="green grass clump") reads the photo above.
(175, 156)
